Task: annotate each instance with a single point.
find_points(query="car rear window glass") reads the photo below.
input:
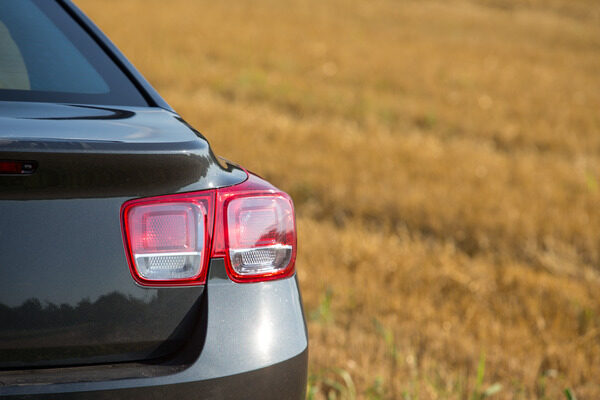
(46, 56)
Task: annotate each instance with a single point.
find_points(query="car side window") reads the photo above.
(13, 74)
(53, 62)
(47, 56)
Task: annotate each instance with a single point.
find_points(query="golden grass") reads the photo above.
(444, 157)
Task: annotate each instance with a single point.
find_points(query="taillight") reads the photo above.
(260, 236)
(168, 238)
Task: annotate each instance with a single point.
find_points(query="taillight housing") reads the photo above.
(259, 236)
(170, 239)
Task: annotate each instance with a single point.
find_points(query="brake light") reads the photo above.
(169, 238)
(260, 237)
(255, 231)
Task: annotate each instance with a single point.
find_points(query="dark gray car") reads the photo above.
(134, 263)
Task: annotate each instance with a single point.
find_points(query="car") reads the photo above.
(134, 262)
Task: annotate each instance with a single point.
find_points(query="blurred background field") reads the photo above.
(444, 157)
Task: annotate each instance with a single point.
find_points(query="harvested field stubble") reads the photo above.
(444, 157)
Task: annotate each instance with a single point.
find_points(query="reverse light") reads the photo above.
(169, 239)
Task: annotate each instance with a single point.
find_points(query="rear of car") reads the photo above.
(134, 263)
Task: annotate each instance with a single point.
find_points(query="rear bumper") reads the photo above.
(285, 380)
(253, 344)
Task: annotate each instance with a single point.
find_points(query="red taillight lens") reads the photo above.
(169, 227)
(169, 238)
(260, 236)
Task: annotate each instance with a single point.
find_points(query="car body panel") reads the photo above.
(143, 151)
(254, 329)
(66, 294)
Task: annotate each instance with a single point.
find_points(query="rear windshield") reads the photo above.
(46, 56)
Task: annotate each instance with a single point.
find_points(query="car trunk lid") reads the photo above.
(66, 293)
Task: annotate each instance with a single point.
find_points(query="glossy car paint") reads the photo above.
(221, 340)
(90, 161)
(143, 151)
(250, 343)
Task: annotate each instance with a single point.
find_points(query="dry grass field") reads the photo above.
(444, 157)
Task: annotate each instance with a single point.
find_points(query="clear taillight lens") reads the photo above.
(168, 238)
(260, 235)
